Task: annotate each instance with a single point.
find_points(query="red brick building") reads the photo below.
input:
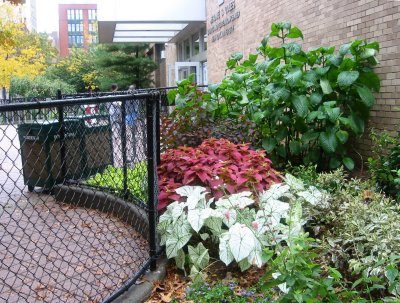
(77, 26)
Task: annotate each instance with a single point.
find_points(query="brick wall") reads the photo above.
(325, 23)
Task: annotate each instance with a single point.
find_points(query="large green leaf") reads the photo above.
(333, 113)
(357, 124)
(347, 78)
(292, 47)
(316, 99)
(309, 136)
(344, 49)
(269, 144)
(300, 103)
(294, 76)
(281, 133)
(366, 95)
(368, 52)
(328, 141)
(343, 136)
(371, 80)
(334, 163)
(295, 32)
(325, 86)
(348, 162)
(294, 147)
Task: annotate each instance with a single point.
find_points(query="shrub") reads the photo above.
(217, 164)
(384, 166)
(306, 105)
(40, 87)
(193, 120)
(359, 231)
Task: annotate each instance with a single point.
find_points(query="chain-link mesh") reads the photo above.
(74, 224)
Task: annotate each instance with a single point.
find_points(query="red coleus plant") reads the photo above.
(217, 164)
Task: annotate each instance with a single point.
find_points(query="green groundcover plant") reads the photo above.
(358, 231)
(112, 179)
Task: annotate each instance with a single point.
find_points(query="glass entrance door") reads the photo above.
(184, 69)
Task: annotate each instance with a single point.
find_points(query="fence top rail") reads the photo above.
(77, 101)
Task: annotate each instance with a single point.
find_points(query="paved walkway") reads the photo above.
(52, 252)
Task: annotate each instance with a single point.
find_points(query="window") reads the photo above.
(180, 52)
(196, 44)
(92, 14)
(204, 34)
(74, 14)
(75, 40)
(186, 49)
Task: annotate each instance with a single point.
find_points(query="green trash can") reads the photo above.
(88, 149)
(98, 149)
(41, 152)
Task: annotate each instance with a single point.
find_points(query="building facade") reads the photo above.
(77, 26)
(239, 26)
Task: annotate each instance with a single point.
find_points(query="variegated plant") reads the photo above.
(241, 225)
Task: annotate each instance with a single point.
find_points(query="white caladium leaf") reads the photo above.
(241, 241)
(204, 236)
(180, 259)
(314, 196)
(175, 243)
(273, 210)
(255, 256)
(175, 209)
(215, 225)
(274, 192)
(225, 254)
(282, 286)
(294, 183)
(295, 219)
(195, 219)
(229, 216)
(199, 255)
(239, 200)
(194, 195)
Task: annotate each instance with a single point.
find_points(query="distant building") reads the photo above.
(27, 10)
(77, 26)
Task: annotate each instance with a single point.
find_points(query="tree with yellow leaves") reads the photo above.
(22, 54)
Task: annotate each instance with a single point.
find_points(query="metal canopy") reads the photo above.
(157, 21)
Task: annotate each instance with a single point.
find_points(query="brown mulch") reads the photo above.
(175, 283)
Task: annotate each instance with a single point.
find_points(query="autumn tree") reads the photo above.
(22, 54)
(77, 69)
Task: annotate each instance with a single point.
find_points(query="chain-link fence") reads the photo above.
(78, 196)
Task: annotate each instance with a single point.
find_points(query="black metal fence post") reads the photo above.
(158, 129)
(63, 151)
(123, 145)
(152, 177)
